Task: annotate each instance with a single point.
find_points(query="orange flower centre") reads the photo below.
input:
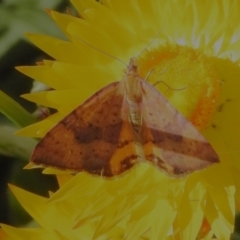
(186, 78)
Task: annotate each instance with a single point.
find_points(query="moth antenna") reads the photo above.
(173, 89)
(148, 75)
(159, 74)
(152, 40)
(160, 81)
(107, 54)
(153, 70)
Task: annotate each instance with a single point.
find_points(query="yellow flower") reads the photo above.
(191, 45)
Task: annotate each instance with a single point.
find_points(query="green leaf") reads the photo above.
(235, 236)
(15, 146)
(14, 111)
(22, 16)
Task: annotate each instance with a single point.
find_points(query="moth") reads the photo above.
(121, 125)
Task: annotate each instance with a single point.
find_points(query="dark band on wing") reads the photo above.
(97, 166)
(180, 144)
(91, 133)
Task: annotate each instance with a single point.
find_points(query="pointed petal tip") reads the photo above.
(31, 165)
(48, 11)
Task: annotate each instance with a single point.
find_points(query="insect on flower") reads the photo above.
(122, 124)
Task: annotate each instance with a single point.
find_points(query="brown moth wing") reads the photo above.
(170, 140)
(87, 138)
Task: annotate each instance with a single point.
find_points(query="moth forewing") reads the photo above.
(121, 125)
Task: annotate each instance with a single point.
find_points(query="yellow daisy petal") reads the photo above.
(29, 201)
(46, 75)
(56, 48)
(57, 99)
(28, 233)
(77, 75)
(63, 178)
(189, 221)
(41, 128)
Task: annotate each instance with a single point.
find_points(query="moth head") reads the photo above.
(132, 67)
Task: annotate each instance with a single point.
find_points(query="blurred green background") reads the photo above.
(16, 18)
